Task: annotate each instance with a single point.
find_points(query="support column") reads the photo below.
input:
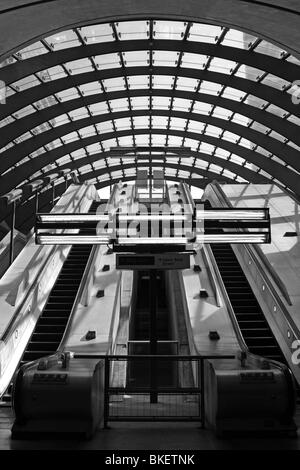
(153, 334)
(12, 232)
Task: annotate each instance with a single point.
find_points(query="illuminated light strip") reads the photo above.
(231, 214)
(154, 240)
(233, 238)
(201, 214)
(72, 218)
(101, 240)
(151, 217)
(72, 240)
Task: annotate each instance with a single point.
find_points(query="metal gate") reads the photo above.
(155, 388)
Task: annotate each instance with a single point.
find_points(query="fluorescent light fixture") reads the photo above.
(71, 218)
(153, 241)
(233, 238)
(231, 214)
(71, 240)
(152, 217)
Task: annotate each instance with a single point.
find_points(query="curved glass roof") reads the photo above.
(220, 97)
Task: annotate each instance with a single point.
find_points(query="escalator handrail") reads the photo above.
(87, 271)
(213, 264)
(188, 196)
(212, 275)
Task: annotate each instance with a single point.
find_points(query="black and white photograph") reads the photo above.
(149, 228)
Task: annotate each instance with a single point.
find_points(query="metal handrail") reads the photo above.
(226, 299)
(94, 253)
(79, 294)
(211, 275)
(188, 195)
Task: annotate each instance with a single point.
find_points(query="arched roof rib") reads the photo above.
(15, 154)
(276, 123)
(285, 175)
(234, 168)
(37, 93)
(278, 67)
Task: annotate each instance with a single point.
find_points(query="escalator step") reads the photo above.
(54, 321)
(43, 345)
(34, 355)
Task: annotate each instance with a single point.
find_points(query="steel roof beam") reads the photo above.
(239, 170)
(18, 152)
(18, 70)
(276, 123)
(29, 96)
(283, 174)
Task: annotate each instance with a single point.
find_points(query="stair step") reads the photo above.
(52, 320)
(42, 345)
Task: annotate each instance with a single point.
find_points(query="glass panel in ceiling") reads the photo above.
(79, 66)
(195, 61)
(33, 50)
(169, 29)
(114, 84)
(136, 58)
(97, 33)
(99, 108)
(267, 48)
(107, 61)
(80, 113)
(249, 73)
(138, 82)
(140, 102)
(93, 148)
(91, 88)
(187, 84)
(222, 65)
(161, 102)
(210, 88)
(143, 122)
(69, 94)
(63, 40)
(204, 33)
(235, 38)
(180, 104)
(233, 94)
(163, 81)
(121, 104)
(165, 58)
(130, 30)
(27, 82)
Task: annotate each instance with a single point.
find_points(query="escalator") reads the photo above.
(140, 333)
(51, 325)
(256, 332)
